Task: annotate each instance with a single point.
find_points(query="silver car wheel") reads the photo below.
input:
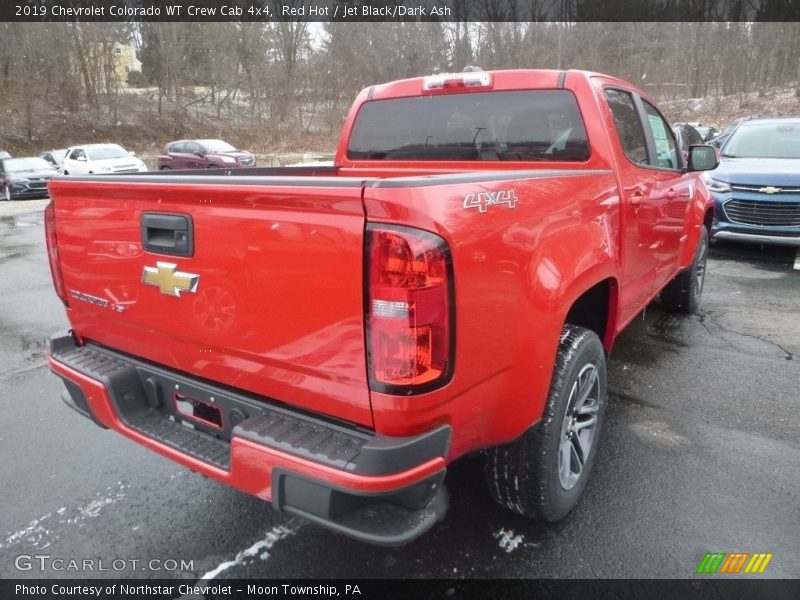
(578, 427)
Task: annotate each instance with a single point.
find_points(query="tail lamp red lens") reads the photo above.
(52, 251)
(408, 310)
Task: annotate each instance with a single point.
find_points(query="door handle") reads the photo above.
(167, 234)
(637, 199)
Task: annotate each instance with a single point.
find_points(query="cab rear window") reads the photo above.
(533, 125)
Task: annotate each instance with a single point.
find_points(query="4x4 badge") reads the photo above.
(483, 200)
(166, 277)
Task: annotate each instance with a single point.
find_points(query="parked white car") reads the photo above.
(100, 158)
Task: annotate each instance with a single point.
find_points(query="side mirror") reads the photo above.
(702, 158)
(132, 153)
(199, 153)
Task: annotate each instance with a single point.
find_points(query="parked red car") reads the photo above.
(203, 154)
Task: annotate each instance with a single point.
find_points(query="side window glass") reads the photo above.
(666, 151)
(179, 148)
(191, 148)
(628, 125)
(680, 137)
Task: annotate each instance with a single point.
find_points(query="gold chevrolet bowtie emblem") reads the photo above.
(167, 278)
(769, 190)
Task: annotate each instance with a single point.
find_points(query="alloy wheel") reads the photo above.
(579, 426)
(700, 271)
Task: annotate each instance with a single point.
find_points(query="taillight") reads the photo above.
(409, 313)
(52, 251)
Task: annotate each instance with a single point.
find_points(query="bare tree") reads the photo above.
(275, 83)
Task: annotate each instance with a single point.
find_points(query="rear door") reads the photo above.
(193, 158)
(639, 258)
(252, 282)
(177, 153)
(670, 193)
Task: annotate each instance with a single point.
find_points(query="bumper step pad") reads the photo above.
(172, 433)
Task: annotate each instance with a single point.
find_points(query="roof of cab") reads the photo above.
(502, 80)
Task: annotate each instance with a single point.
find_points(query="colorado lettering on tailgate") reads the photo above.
(355, 333)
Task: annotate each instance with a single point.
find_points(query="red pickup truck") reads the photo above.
(330, 338)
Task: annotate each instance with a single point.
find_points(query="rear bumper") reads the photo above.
(379, 489)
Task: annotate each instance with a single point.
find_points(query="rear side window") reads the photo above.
(628, 125)
(693, 136)
(178, 148)
(666, 148)
(537, 125)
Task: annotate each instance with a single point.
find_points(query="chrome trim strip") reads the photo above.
(777, 240)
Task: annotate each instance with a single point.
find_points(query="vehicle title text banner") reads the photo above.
(396, 10)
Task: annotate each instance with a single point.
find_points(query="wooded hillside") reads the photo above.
(289, 85)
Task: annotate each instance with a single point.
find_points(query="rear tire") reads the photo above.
(543, 473)
(682, 294)
(166, 168)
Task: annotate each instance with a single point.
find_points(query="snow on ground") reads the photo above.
(719, 110)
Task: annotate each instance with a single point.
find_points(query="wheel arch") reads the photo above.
(701, 214)
(708, 219)
(594, 306)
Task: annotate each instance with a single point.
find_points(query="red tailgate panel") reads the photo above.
(278, 306)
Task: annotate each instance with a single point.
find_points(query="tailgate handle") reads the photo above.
(168, 234)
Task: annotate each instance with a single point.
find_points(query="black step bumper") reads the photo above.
(379, 489)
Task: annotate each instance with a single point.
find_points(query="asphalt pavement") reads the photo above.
(700, 453)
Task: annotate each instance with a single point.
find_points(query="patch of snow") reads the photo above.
(33, 534)
(508, 541)
(38, 536)
(93, 509)
(258, 550)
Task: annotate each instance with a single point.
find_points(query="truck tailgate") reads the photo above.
(263, 294)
